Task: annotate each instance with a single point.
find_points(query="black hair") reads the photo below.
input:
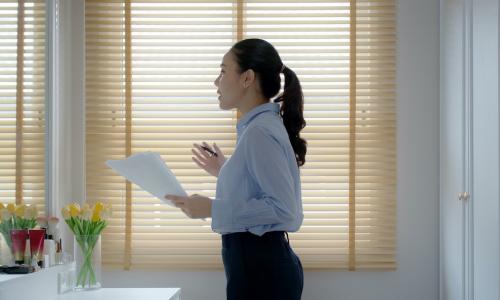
(261, 57)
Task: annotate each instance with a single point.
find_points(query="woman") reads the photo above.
(258, 196)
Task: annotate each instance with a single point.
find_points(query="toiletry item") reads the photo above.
(46, 261)
(18, 237)
(36, 245)
(49, 249)
(59, 252)
(52, 228)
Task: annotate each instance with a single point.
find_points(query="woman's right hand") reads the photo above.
(206, 161)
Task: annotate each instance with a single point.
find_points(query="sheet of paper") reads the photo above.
(149, 171)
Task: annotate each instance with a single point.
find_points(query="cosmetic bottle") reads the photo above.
(37, 239)
(18, 238)
(49, 251)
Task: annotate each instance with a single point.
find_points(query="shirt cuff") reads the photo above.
(221, 216)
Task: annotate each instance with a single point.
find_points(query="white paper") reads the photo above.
(149, 171)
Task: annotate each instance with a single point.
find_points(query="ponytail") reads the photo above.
(260, 56)
(292, 112)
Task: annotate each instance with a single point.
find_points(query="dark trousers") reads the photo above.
(261, 268)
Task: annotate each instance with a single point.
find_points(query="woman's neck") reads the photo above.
(250, 104)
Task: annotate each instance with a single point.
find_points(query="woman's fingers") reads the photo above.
(207, 161)
(217, 150)
(201, 151)
(198, 155)
(208, 146)
(198, 163)
(187, 212)
(178, 201)
(211, 149)
(201, 158)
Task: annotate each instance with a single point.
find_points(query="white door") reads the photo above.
(452, 149)
(485, 189)
(469, 150)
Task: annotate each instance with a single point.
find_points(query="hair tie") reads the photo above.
(282, 68)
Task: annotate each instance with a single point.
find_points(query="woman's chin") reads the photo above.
(223, 106)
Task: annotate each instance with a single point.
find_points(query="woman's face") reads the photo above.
(229, 84)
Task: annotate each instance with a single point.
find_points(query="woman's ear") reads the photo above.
(248, 78)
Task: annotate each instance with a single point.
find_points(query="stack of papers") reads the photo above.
(149, 171)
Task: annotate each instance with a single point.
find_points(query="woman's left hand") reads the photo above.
(194, 206)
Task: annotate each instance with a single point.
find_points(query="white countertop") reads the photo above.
(45, 283)
(6, 277)
(123, 294)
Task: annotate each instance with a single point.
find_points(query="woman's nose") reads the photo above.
(216, 82)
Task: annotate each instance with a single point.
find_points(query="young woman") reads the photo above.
(258, 197)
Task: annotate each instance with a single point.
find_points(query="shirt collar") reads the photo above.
(249, 116)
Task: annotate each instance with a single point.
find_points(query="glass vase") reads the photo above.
(88, 262)
(18, 239)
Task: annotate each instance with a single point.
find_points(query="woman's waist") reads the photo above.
(249, 236)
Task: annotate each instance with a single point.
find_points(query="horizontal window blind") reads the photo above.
(344, 57)
(22, 102)
(175, 52)
(150, 67)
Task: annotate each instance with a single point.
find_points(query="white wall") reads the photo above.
(416, 277)
(71, 108)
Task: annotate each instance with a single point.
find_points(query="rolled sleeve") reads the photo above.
(220, 215)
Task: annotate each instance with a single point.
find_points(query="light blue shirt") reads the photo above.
(258, 188)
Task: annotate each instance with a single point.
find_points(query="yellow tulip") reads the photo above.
(74, 210)
(11, 207)
(86, 212)
(65, 213)
(96, 216)
(2, 206)
(5, 214)
(106, 211)
(31, 212)
(20, 210)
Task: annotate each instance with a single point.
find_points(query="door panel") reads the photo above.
(485, 193)
(451, 150)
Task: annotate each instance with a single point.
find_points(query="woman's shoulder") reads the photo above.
(267, 123)
(269, 131)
